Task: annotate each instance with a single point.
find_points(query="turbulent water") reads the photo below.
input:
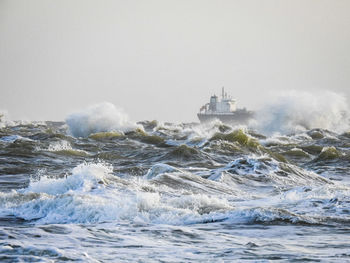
(97, 189)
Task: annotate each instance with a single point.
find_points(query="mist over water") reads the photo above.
(100, 187)
(297, 111)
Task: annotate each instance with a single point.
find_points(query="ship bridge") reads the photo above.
(225, 105)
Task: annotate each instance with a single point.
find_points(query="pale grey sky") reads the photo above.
(162, 59)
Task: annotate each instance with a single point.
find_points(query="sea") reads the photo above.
(98, 187)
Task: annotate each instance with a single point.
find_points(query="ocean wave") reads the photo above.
(263, 170)
(5, 119)
(103, 117)
(91, 194)
(297, 111)
(167, 195)
(13, 138)
(65, 148)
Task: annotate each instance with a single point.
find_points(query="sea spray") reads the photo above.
(5, 119)
(297, 111)
(103, 117)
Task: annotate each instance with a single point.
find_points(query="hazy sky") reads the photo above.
(163, 59)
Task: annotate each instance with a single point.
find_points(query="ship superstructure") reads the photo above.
(223, 109)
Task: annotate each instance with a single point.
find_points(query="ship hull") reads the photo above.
(230, 118)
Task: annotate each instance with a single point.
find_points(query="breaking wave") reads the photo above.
(93, 193)
(5, 119)
(103, 117)
(65, 148)
(298, 111)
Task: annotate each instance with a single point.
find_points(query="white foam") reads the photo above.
(84, 178)
(101, 117)
(193, 135)
(60, 146)
(92, 193)
(278, 139)
(256, 171)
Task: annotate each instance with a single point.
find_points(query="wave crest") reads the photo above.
(298, 111)
(103, 117)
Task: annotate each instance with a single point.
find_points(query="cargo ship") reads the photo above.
(225, 110)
